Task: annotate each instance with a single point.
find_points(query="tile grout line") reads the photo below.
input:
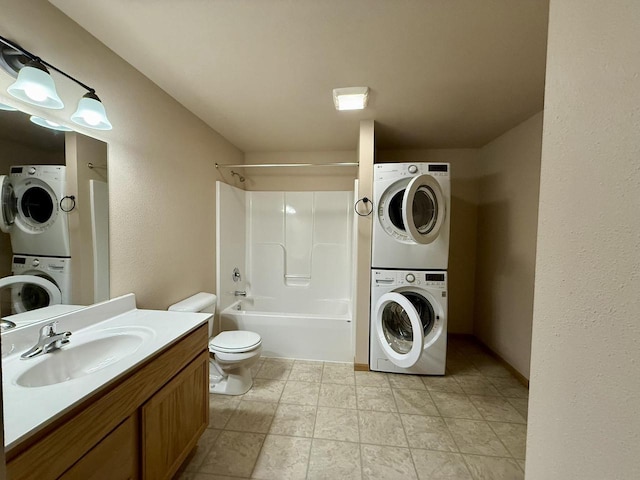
(404, 431)
(266, 434)
(500, 440)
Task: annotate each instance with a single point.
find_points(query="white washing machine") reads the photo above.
(408, 331)
(25, 297)
(412, 202)
(31, 213)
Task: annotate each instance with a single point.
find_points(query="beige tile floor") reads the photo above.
(315, 420)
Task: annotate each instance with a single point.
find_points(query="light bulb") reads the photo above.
(92, 118)
(35, 92)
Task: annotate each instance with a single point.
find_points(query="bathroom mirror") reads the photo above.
(54, 218)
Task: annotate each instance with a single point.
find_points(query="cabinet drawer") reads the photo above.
(114, 458)
(173, 420)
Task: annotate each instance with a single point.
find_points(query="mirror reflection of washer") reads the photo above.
(412, 204)
(31, 211)
(29, 296)
(408, 331)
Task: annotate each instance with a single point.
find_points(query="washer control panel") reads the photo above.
(26, 263)
(394, 278)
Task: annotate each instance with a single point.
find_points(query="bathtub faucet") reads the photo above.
(240, 293)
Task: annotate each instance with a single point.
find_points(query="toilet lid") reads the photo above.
(235, 341)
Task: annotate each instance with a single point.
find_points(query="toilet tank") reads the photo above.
(200, 303)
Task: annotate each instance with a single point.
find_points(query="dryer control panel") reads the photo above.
(386, 171)
(51, 173)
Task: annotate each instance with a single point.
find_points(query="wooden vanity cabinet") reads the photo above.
(173, 420)
(115, 457)
(143, 427)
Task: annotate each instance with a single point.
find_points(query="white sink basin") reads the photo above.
(83, 356)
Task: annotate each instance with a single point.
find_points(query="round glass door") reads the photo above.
(31, 292)
(37, 206)
(399, 327)
(8, 208)
(423, 209)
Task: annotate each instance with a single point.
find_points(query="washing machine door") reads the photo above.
(398, 326)
(30, 292)
(8, 208)
(423, 209)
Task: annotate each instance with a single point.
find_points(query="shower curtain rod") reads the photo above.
(265, 165)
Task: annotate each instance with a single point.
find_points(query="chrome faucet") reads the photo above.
(6, 324)
(240, 293)
(48, 341)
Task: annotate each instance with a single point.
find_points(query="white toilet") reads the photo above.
(234, 352)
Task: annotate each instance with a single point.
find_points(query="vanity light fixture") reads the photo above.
(34, 85)
(350, 98)
(49, 124)
(91, 113)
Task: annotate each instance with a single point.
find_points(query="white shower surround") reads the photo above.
(297, 248)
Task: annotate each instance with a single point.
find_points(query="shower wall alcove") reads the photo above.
(294, 252)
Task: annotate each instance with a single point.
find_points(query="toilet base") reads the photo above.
(237, 382)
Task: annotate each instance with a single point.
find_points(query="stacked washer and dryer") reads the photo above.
(410, 257)
(32, 216)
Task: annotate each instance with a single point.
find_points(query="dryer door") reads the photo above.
(8, 209)
(37, 205)
(399, 328)
(423, 209)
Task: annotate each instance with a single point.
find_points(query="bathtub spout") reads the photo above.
(240, 293)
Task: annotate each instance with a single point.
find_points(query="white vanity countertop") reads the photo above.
(26, 318)
(28, 409)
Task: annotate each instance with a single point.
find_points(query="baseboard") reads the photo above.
(361, 367)
(521, 378)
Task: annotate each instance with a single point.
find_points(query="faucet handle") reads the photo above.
(49, 330)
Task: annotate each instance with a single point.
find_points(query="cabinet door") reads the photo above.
(173, 420)
(114, 458)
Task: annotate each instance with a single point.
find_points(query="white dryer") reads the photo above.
(31, 213)
(413, 204)
(408, 332)
(29, 296)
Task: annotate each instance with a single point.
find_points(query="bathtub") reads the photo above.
(314, 330)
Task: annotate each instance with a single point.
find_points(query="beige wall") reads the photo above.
(298, 178)
(161, 159)
(462, 248)
(506, 241)
(585, 365)
(366, 156)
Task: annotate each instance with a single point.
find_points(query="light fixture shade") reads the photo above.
(7, 108)
(34, 85)
(49, 124)
(350, 98)
(91, 113)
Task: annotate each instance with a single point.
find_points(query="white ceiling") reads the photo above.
(442, 73)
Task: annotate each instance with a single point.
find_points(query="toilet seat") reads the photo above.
(235, 341)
